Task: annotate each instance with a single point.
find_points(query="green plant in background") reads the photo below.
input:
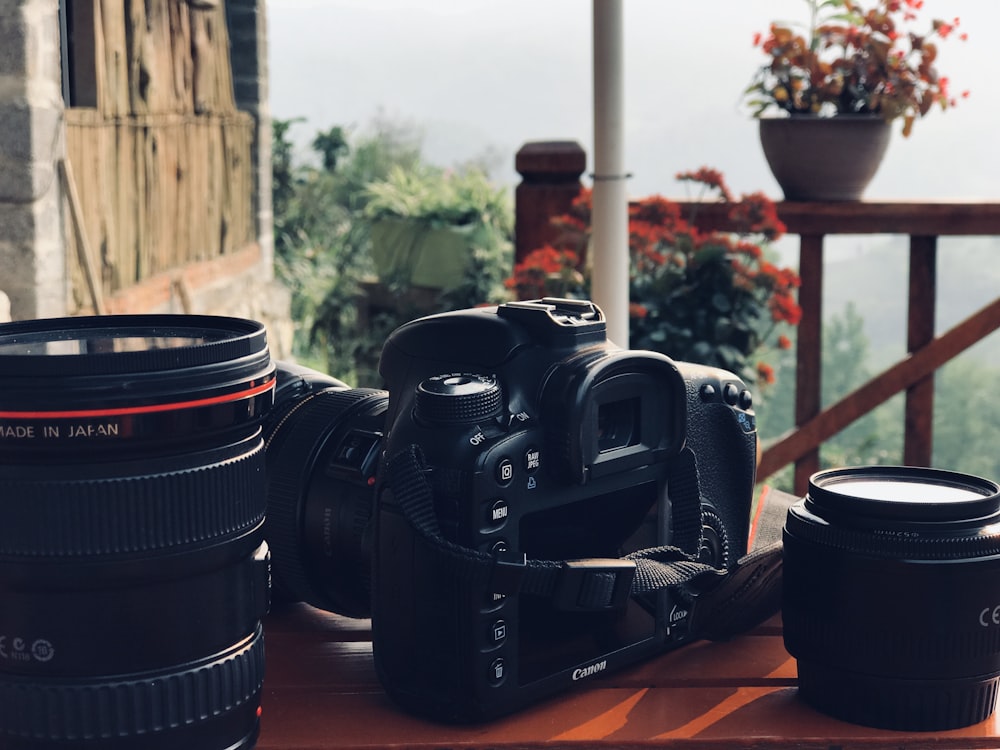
(444, 229)
(326, 216)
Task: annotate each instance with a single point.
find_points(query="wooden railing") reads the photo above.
(551, 179)
(924, 223)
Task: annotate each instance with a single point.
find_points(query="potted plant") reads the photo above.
(835, 87)
(711, 297)
(428, 224)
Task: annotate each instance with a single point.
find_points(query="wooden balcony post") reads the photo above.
(809, 367)
(918, 443)
(550, 180)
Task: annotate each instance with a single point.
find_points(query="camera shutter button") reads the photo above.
(460, 398)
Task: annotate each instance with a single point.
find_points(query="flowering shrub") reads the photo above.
(701, 296)
(854, 61)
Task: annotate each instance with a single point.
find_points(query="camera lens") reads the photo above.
(892, 596)
(133, 569)
(323, 446)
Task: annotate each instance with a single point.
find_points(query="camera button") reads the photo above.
(746, 399)
(493, 602)
(496, 514)
(731, 394)
(497, 671)
(505, 471)
(532, 459)
(707, 392)
(497, 633)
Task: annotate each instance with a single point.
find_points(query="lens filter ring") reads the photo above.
(79, 385)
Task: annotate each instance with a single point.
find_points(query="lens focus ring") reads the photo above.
(153, 508)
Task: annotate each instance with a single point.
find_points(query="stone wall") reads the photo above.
(33, 244)
(32, 255)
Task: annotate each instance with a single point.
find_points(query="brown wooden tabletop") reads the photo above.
(321, 692)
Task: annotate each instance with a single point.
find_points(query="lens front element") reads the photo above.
(890, 576)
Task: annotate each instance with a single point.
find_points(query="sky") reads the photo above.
(482, 77)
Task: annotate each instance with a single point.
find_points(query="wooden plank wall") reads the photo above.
(162, 163)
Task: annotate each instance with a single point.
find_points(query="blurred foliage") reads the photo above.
(323, 215)
(965, 419)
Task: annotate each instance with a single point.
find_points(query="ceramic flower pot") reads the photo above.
(824, 158)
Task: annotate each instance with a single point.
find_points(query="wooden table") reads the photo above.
(321, 692)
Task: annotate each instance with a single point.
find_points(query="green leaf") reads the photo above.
(721, 302)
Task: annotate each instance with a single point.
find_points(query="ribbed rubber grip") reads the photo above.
(136, 508)
(143, 707)
(925, 705)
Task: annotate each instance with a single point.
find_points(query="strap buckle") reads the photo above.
(507, 571)
(593, 585)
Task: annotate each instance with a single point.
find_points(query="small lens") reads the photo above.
(890, 579)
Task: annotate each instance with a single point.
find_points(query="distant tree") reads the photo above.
(282, 168)
(967, 418)
(331, 145)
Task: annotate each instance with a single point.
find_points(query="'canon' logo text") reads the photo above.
(579, 674)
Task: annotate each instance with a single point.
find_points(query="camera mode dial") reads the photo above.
(458, 398)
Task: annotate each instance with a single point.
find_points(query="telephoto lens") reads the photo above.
(892, 596)
(133, 568)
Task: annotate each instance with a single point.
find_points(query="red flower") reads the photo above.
(694, 292)
(765, 372)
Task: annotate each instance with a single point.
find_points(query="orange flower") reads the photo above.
(765, 372)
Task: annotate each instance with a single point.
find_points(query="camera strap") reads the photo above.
(721, 602)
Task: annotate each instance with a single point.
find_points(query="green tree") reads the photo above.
(967, 418)
(874, 439)
(331, 145)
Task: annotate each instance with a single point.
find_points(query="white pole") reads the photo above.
(609, 219)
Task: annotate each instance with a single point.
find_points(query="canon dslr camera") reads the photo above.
(524, 457)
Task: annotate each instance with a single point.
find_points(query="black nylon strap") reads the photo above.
(726, 602)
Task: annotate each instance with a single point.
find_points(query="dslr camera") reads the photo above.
(524, 457)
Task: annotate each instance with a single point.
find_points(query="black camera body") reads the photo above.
(541, 440)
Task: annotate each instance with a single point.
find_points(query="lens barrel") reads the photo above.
(133, 568)
(323, 446)
(891, 593)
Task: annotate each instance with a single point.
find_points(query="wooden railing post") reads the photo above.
(809, 356)
(550, 180)
(919, 440)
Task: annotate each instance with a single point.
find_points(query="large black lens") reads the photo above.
(323, 445)
(892, 587)
(133, 570)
